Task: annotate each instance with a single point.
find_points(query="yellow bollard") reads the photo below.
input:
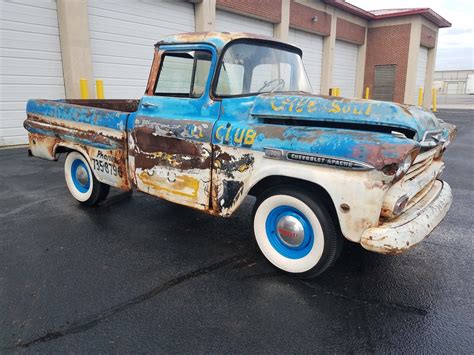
(433, 93)
(367, 93)
(99, 87)
(420, 96)
(84, 89)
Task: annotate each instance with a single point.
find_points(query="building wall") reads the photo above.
(451, 82)
(388, 41)
(388, 45)
(269, 10)
(380, 42)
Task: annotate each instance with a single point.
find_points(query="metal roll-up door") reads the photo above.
(30, 62)
(230, 22)
(421, 71)
(122, 37)
(384, 82)
(312, 47)
(345, 68)
(452, 88)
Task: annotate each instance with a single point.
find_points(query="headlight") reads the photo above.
(397, 170)
(404, 166)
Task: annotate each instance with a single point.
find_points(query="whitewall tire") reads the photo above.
(295, 231)
(81, 182)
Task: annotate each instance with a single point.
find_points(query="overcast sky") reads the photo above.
(455, 44)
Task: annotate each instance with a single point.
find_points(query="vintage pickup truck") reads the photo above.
(227, 115)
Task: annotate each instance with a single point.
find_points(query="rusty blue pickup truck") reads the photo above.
(227, 115)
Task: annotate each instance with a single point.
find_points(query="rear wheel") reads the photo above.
(81, 182)
(295, 231)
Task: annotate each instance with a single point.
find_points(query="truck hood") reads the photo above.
(315, 110)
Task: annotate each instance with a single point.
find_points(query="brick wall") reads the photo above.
(428, 37)
(388, 45)
(350, 32)
(301, 17)
(269, 10)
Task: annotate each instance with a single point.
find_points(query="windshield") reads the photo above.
(251, 69)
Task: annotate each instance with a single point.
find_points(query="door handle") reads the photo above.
(149, 104)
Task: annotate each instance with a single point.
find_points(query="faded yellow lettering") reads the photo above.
(218, 137)
(356, 111)
(346, 109)
(277, 108)
(335, 107)
(292, 104)
(368, 110)
(300, 105)
(311, 106)
(227, 135)
(250, 137)
(239, 135)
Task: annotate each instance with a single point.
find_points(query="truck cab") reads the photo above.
(227, 115)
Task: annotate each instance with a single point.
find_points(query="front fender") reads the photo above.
(362, 191)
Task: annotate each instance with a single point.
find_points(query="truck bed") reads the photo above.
(96, 128)
(98, 123)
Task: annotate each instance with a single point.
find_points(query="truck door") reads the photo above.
(170, 142)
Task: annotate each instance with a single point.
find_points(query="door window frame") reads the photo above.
(162, 50)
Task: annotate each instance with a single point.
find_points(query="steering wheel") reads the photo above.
(279, 84)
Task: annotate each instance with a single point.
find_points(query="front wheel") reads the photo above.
(81, 182)
(295, 231)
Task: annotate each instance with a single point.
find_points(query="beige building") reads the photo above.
(452, 82)
(48, 46)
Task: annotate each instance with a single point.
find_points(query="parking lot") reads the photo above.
(139, 274)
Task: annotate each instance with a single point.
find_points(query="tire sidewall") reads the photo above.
(324, 249)
(68, 167)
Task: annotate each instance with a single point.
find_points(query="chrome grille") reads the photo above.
(421, 163)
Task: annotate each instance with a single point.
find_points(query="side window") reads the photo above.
(183, 74)
(231, 79)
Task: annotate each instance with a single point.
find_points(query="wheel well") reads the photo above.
(316, 190)
(61, 149)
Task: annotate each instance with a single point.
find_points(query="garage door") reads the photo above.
(384, 82)
(421, 71)
(345, 67)
(452, 88)
(230, 22)
(122, 37)
(30, 62)
(312, 47)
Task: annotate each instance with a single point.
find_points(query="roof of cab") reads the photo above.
(217, 39)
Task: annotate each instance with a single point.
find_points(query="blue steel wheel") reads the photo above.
(295, 231)
(80, 175)
(81, 182)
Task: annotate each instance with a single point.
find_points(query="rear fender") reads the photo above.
(108, 166)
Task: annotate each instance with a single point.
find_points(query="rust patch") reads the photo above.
(152, 77)
(76, 130)
(149, 160)
(148, 142)
(229, 165)
(231, 192)
(123, 105)
(381, 155)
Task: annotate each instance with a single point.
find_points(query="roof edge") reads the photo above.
(427, 13)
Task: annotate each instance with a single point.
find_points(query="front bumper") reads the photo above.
(410, 228)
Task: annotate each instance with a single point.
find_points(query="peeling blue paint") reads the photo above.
(61, 110)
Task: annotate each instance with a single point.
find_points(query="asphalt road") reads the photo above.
(143, 275)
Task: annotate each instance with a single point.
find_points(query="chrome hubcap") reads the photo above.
(81, 175)
(290, 231)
